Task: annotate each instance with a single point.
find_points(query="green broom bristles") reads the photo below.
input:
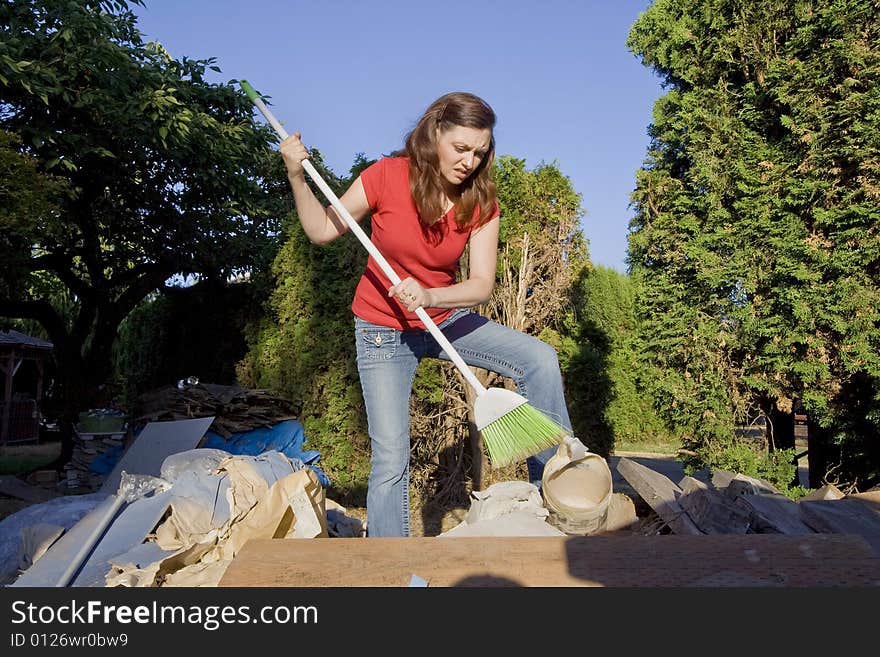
(520, 433)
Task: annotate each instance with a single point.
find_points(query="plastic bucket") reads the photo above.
(577, 490)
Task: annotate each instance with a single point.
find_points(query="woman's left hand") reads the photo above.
(410, 294)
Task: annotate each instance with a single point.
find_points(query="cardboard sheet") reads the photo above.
(155, 442)
(195, 548)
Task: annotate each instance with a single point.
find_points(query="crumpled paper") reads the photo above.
(507, 508)
(250, 497)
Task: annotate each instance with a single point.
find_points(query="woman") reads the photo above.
(427, 203)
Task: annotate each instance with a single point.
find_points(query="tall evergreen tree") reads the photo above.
(756, 236)
(303, 348)
(605, 377)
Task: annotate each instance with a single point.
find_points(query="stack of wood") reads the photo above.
(235, 409)
(86, 448)
(732, 503)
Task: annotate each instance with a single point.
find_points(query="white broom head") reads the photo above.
(495, 403)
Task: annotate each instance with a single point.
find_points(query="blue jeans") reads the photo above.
(387, 360)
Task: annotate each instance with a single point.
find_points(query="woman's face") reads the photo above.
(460, 151)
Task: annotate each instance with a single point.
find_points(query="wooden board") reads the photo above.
(850, 516)
(661, 494)
(870, 498)
(611, 561)
(827, 492)
(710, 510)
(773, 513)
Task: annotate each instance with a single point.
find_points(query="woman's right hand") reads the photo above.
(293, 152)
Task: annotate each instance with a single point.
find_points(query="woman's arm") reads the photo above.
(475, 290)
(321, 224)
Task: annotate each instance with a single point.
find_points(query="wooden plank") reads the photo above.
(737, 488)
(827, 492)
(711, 511)
(744, 485)
(689, 484)
(773, 513)
(846, 516)
(600, 560)
(722, 478)
(870, 498)
(660, 493)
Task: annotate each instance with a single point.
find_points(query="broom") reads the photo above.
(511, 428)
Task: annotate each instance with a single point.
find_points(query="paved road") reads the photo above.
(665, 464)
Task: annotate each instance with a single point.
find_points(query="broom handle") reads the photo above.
(368, 244)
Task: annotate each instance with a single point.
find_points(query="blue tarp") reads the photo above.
(104, 463)
(286, 437)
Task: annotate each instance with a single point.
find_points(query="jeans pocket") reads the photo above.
(378, 343)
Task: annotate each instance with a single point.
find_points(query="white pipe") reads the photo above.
(131, 487)
(86, 548)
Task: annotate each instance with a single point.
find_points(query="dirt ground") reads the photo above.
(431, 521)
(9, 505)
(16, 459)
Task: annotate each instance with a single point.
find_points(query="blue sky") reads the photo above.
(354, 75)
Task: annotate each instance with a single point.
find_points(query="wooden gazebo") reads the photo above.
(20, 408)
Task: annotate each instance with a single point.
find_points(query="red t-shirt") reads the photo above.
(430, 257)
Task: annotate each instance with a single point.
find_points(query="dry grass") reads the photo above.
(648, 446)
(22, 459)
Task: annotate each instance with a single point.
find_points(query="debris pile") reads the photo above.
(93, 456)
(731, 503)
(213, 502)
(182, 530)
(235, 409)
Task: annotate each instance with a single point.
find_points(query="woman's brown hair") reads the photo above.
(453, 109)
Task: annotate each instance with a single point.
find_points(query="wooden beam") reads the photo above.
(710, 510)
(827, 492)
(760, 560)
(660, 493)
(40, 374)
(846, 516)
(773, 513)
(7, 400)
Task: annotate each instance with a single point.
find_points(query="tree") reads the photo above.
(606, 376)
(303, 346)
(28, 198)
(197, 330)
(542, 255)
(164, 174)
(755, 238)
